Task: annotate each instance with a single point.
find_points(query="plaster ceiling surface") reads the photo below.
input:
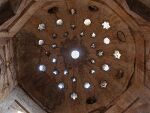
(81, 57)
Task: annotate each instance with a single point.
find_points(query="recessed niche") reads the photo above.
(121, 36)
(91, 100)
(103, 84)
(93, 8)
(120, 74)
(6, 11)
(53, 10)
(93, 45)
(66, 34)
(54, 35)
(72, 11)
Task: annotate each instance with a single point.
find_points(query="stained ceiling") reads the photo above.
(79, 56)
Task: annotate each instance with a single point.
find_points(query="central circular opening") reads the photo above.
(75, 54)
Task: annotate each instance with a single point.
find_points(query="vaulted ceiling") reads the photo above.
(89, 56)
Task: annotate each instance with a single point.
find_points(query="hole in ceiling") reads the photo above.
(74, 96)
(100, 53)
(61, 85)
(87, 85)
(41, 42)
(75, 54)
(53, 10)
(91, 100)
(72, 11)
(73, 79)
(93, 35)
(55, 72)
(106, 67)
(106, 41)
(54, 35)
(54, 60)
(87, 22)
(103, 84)
(66, 72)
(59, 22)
(42, 68)
(41, 27)
(92, 71)
(106, 25)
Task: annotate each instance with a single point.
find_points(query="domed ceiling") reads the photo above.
(79, 56)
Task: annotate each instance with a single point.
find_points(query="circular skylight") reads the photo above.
(74, 96)
(41, 42)
(73, 79)
(106, 41)
(59, 22)
(92, 71)
(54, 60)
(75, 54)
(87, 85)
(55, 72)
(87, 22)
(66, 72)
(61, 85)
(106, 67)
(42, 68)
(41, 27)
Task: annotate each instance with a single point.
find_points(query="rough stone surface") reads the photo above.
(7, 71)
(19, 101)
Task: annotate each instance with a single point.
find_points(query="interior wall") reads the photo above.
(19, 101)
(7, 71)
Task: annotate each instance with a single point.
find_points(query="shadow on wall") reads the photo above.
(140, 8)
(8, 9)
